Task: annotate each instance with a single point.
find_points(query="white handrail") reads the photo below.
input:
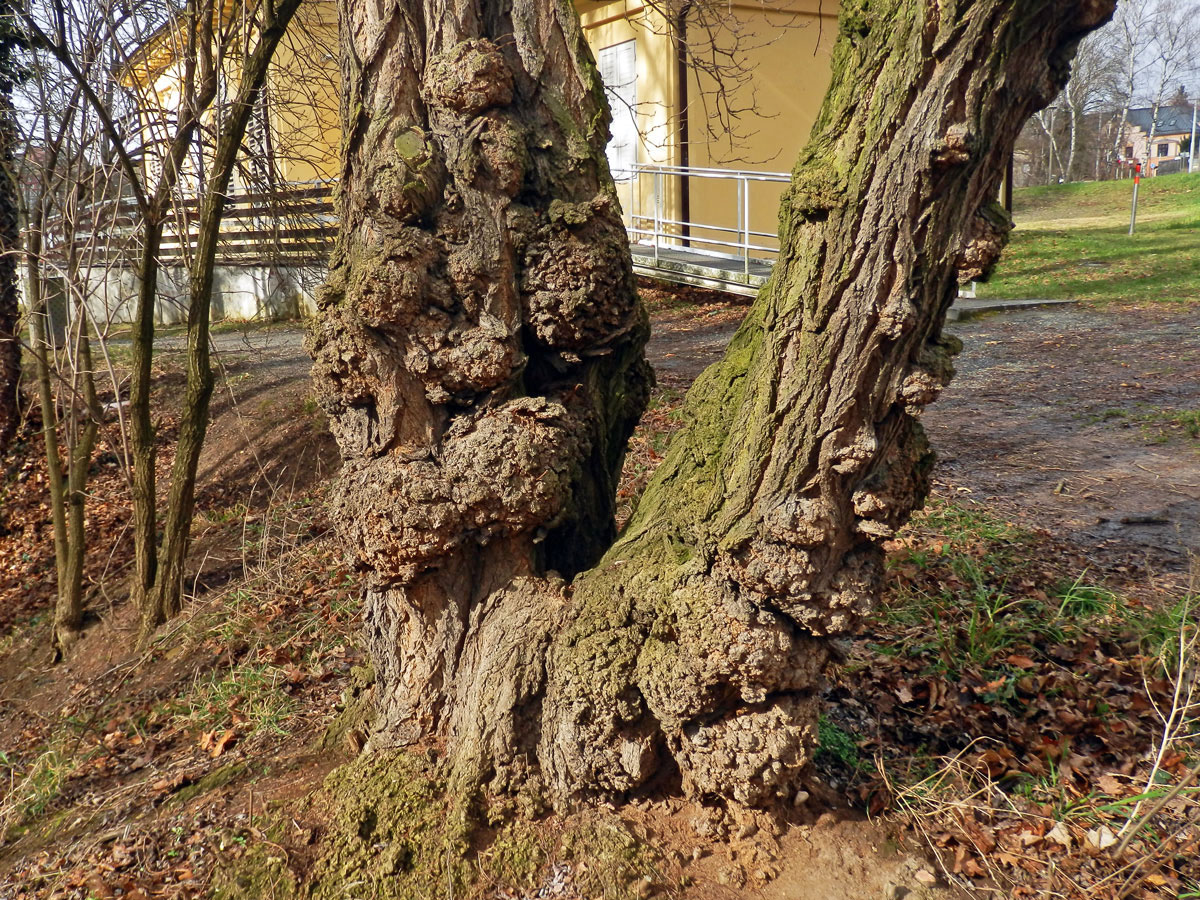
(662, 230)
(701, 172)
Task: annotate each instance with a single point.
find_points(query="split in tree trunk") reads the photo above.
(479, 353)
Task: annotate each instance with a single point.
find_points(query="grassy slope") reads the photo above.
(1072, 241)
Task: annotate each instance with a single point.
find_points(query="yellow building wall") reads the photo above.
(302, 87)
(606, 24)
(789, 45)
(786, 45)
(304, 91)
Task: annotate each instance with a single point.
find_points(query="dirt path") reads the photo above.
(1058, 418)
(1065, 419)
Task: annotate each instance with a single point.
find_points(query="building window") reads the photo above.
(1129, 151)
(618, 71)
(1163, 150)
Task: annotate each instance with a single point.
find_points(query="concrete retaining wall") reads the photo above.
(240, 292)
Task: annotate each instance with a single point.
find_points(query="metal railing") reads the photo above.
(734, 237)
(298, 221)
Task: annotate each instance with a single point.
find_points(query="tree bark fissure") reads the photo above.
(481, 451)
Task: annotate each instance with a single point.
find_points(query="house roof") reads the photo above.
(1171, 119)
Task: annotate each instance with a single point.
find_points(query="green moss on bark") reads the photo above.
(393, 831)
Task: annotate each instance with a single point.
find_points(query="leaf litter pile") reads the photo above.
(134, 775)
(155, 770)
(1038, 728)
(27, 534)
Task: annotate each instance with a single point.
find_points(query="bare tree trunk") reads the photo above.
(68, 615)
(1072, 138)
(479, 354)
(66, 620)
(10, 237)
(165, 599)
(199, 89)
(1053, 156)
(142, 438)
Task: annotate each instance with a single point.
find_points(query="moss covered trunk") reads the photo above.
(479, 351)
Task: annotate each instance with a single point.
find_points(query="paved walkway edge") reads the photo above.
(967, 308)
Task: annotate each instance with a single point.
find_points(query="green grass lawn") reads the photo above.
(1072, 241)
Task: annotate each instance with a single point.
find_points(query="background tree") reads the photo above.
(1130, 34)
(222, 57)
(59, 173)
(1093, 73)
(1172, 54)
(479, 353)
(261, 27)
(1063, 132)
(10, 348)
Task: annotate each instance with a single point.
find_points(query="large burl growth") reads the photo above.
(479, 351)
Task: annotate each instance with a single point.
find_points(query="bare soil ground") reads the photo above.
(136, 776)
(1060, 418)
(1067, 418)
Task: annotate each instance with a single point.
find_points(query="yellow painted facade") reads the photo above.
(786, 45)
(304, 89)
(301, 99)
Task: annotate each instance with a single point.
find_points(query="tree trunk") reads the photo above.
(165, 600)
(479, 347)
(479, 351)
(86, 413)
(10, 237)
(142, 432)
(198, 90)
(1076, 114)
(1053, 156)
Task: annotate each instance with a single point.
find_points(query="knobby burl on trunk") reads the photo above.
(479, 350)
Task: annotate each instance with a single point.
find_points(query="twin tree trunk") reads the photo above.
(479, 350)
(160, 576)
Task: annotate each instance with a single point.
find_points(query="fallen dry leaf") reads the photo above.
(222, 743)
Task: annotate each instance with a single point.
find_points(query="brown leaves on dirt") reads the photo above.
(134, 783)
(1013, 714)
(27, 532)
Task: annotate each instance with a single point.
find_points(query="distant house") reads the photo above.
(1154, 141)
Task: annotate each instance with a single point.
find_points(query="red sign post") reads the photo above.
(1137, 177)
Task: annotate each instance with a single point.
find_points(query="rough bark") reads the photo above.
(10, 346)
(481, 374)
(478, 350)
